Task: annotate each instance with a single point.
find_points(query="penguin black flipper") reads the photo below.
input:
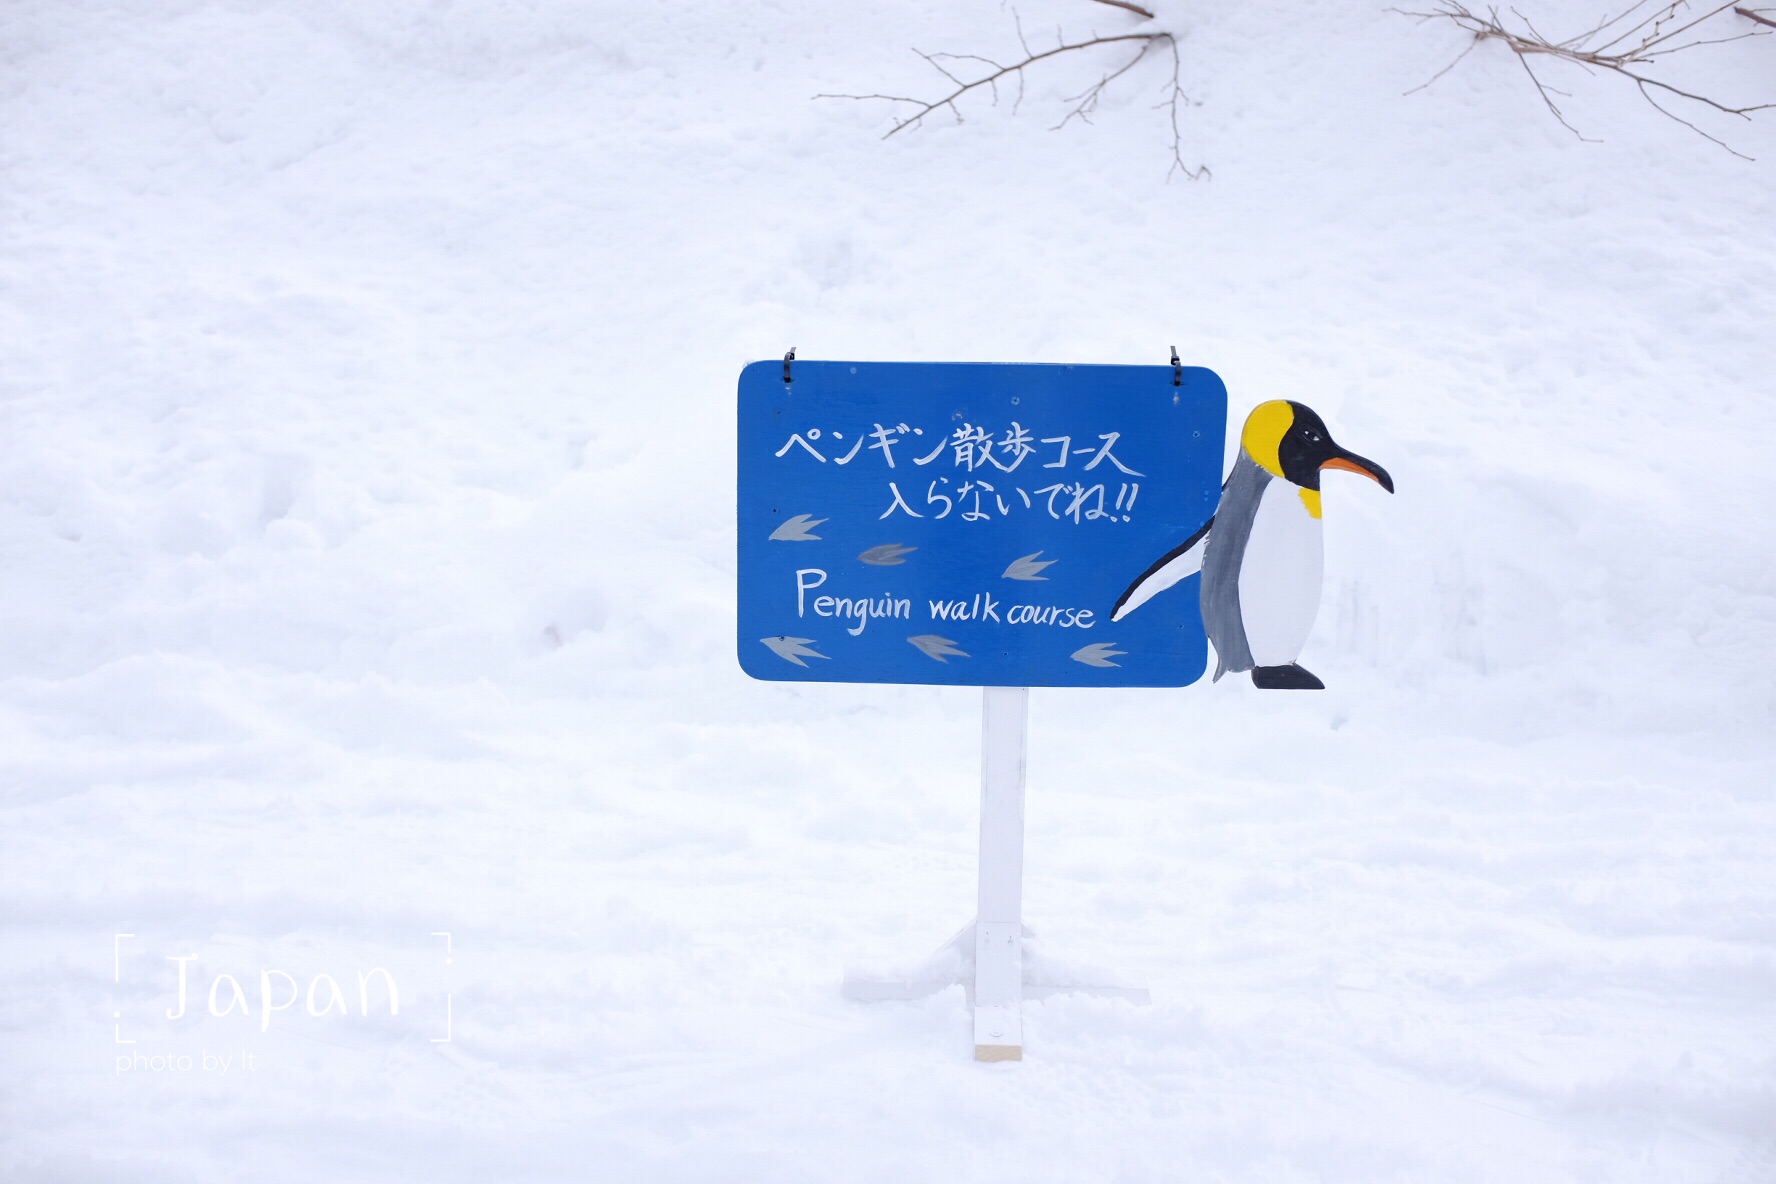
(1285, 678)
(1171, 568)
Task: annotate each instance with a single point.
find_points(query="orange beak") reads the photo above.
(1350, 462)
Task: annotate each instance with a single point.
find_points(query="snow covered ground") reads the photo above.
(366, 514)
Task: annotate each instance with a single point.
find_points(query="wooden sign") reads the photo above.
(970, 524)
(1013, 526)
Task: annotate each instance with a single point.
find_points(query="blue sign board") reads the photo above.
(971, 524)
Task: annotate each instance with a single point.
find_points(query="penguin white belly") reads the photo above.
(1279, 580)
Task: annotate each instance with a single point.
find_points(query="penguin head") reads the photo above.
(1288, 440)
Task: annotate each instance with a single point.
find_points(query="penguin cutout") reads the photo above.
(1260, 552)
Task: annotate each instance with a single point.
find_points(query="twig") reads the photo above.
(1174, 94)
(1552, 105)
(1084, 104)
(1134, 8)
(1086, 101)
(1628, 51)
(1446, 69)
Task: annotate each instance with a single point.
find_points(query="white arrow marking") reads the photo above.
(933, 646)
(792, 649)
(1099, 653)
(797, 528)
(1027, 567)
(886, 555)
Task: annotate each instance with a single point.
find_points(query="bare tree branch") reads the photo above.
(1175, 94)
(1446, 69)
(1627, 52)
(1083, 104)
(1547, 97)
(1134, 8)
(1086, 101)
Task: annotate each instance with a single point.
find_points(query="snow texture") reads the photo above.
(366, 508)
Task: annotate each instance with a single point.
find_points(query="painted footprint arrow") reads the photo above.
(796, 530)
(1099, 653)
(793, 649)
(933, 646)
(1027, 568)
(886, 555)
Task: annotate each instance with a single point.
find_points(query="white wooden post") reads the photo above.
(990, 952)
(999, 923)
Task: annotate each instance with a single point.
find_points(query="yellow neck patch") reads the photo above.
(1311, 499)
(1264, 432)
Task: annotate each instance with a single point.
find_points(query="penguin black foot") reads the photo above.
(1285, 678)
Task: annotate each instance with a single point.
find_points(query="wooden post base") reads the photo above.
(998, 1030)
